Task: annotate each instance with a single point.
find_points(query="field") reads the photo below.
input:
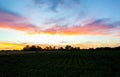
(61, 64)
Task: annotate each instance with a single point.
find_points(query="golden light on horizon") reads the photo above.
(10, 46)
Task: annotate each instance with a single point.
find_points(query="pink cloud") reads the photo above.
(94, 29)
(6, 16)
(14, 22)
(20, 27)
(91, 27)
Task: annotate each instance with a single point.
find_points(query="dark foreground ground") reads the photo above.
(61, 64)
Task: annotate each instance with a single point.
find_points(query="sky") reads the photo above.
(81, 23)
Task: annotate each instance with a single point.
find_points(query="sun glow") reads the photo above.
(9, 46)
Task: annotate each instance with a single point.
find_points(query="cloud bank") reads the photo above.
(11, 21)
(93, 27)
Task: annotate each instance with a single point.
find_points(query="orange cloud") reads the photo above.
(88, 27)
(20, 27)
(91, 27)
(81, 30)
(119, 34)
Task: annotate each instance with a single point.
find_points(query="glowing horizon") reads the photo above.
(83, 23)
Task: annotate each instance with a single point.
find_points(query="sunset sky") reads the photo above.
(83, 23)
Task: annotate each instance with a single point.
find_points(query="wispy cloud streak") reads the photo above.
(14, 22)
(93, 27)
(54, 4)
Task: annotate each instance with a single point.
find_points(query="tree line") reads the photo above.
(66, 48)
(49, 48)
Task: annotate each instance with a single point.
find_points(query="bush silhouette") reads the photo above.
(32, 48)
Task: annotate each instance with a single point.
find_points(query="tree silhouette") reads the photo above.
(68, 47)
(26, 48)
(32, 48)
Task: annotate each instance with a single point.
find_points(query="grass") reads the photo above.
(61, 64)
